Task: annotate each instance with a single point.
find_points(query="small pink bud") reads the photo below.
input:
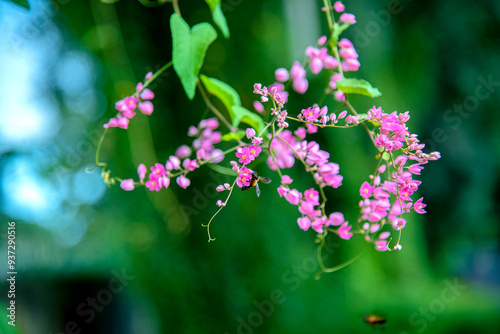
(322, 40)
(339, 6)
(127, 184)
(183, 151)
(183, 181)
(147, 94)
(250, 132)
(286, 179)
(220, 188)
(139, 87)
(141, 171)
(146, 107)
(258, 106)
(382, 169)
(347, 18)
(227, 186)
(339, 96)
(220, 203)
(282, 74)
(149, 75)
(343, 114)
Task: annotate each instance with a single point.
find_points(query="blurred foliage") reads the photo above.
(426, 57)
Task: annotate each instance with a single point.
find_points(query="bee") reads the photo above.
(254, 182)
(374, 320)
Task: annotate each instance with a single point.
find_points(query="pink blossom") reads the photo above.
(254, 151)
(317, 224)
(311, 196)
(183, 151)
(190, 164)
(244, 154)
(350, 64)
(173, 163)
(139, 87)
(209, 123)
(282, 190)
(158, 170)
(330, 62)
(192, 131)
(220, 188)
(415, 169)
(244, 177)
(147, 94)
(285, 179)
(338, 6)
(347, 18)
(153, 183)
(345, 43)
(343, 231)
(281, 74)
(316, 65)
(419, 206)
(339, 96)
(183, 181)
(293, 196)
(149, 75)
(300, 133)
(381, 245)
(366, 190)
(220, 203)
(399, 223)
(304, 223)
(257, 140)
(165, 181)
(146, 107)
(127, 184)
(300, 85)
(250, 133)
(141, 171)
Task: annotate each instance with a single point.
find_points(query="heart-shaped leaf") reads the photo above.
(218, 16)
(189, 48)
(357, 86)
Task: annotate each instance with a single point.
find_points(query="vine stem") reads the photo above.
(212, 107)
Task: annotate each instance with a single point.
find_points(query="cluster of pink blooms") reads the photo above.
(205, 138)
(126, 107)
(279, 96)
(312, 216)
(315, 114)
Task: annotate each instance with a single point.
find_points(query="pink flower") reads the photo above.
(127, 184)
(286, 179)
(304, 223)
(244, 154)
(293, 196)
(173, 163)
(415, 169)
(147, 94)
(158, 170)
(281, 74)
(183, 181)
(141, 171)
(317, 224)
(209, 123)
(250, 133)
(282, 190)
(146, 107)
(220, 188)
(153, 183)
(311, 196)
(366, 190)
(190, 164)
(257, 140)
(339, 96)
(381, 245)
(338, 6)
(254, 151)
(300, 85)
(148, 75)
(419, 206)
(347, 18)
(139, 87)
(220, 203)
(343, 231)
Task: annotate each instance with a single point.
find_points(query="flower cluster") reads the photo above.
(205, 138)
(126, 107)
(279, 97)
(307, 203)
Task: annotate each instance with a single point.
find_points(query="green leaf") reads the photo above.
(218, 16)
(233, 136)
(222, 91)
(23, 3)
(222, 170)
(189, 48)
(231, 100)
(357, 86)
(243, 115)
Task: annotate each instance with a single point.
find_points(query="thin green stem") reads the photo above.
(212, 107)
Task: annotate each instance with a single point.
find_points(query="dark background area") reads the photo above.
(142, 259)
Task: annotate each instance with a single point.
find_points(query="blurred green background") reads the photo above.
(97, 260)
